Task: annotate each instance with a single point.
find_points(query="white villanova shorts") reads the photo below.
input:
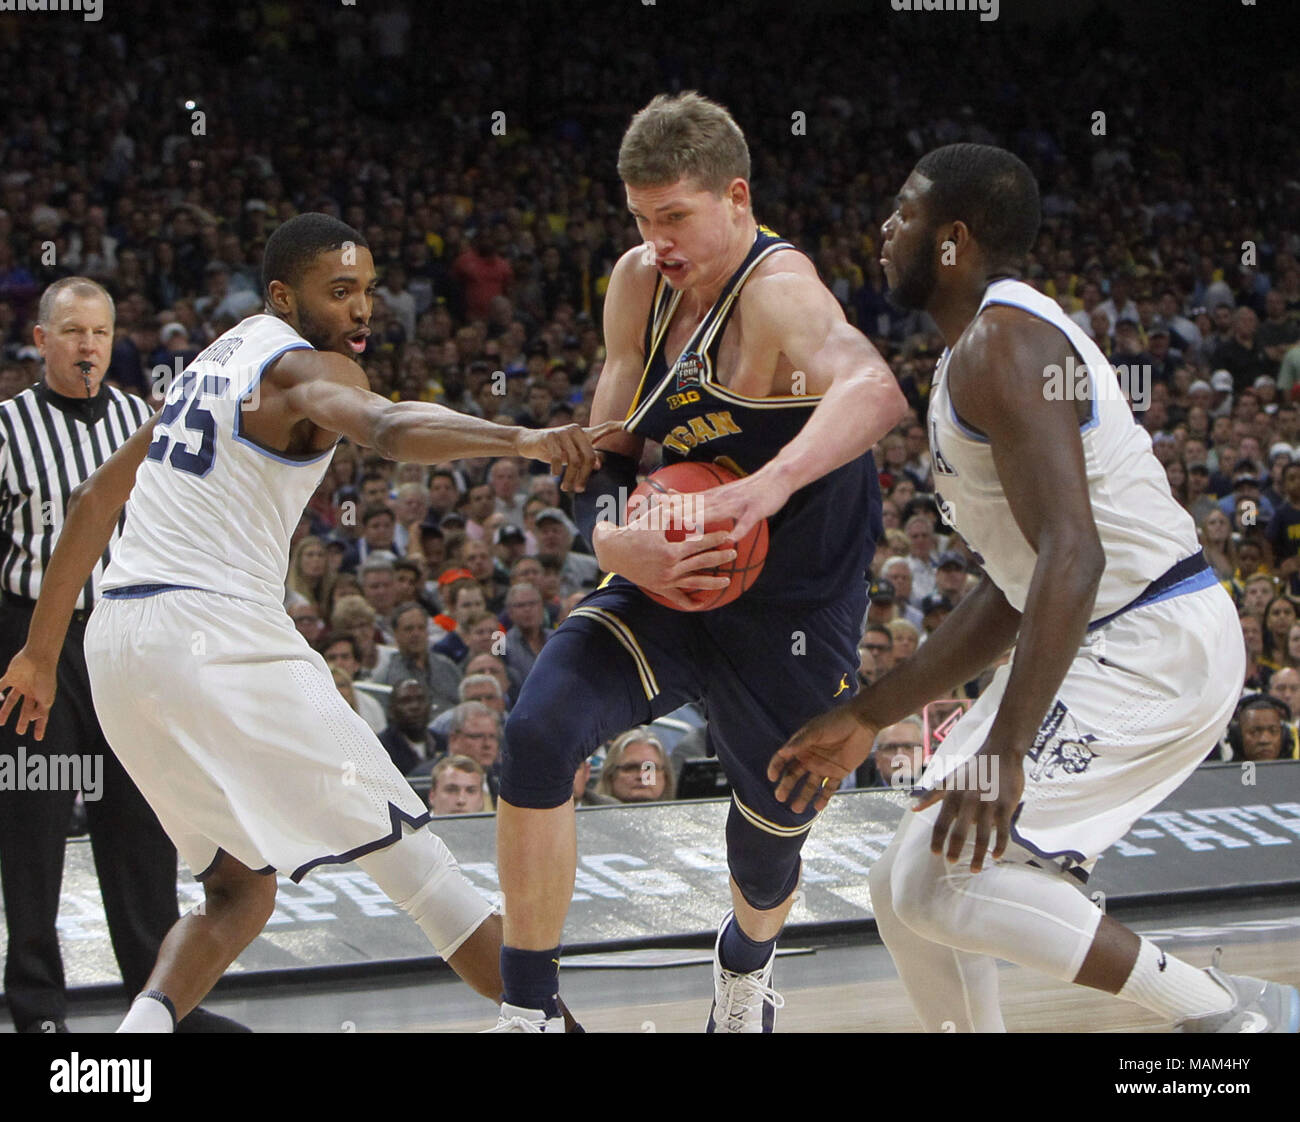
(1143, 703)
(233, 729)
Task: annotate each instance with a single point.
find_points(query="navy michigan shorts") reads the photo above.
(761, 668)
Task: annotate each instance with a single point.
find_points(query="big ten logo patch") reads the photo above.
(677, 400)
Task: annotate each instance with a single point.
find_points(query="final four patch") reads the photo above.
(690, 370)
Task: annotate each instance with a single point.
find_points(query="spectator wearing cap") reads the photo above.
(1164, 358)
(555, 533)
(934, 610)
(1284, 530)
(882, 602)
(1279, 456)
(1245, 490)
(407, 738)
(950, 577)
(175, 351)
(1222, 385)
(509, 544)
(414, 658)
(1200, 395)
(528, 631)
(1199, 500)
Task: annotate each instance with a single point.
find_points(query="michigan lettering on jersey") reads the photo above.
(700, 430)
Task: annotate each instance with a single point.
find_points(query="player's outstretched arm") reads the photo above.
(793, 313)
(92, 514)
(331, 391)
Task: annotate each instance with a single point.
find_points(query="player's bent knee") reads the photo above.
(234, 888)
(918, 888)
(764, 866)
(420, 876)
(541, 753)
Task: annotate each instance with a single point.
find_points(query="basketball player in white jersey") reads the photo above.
(1127, 661)
(226, 719)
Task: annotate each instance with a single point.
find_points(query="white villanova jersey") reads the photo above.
(1143, 530)
(212, 508)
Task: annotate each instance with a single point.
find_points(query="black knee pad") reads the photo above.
(764, 866)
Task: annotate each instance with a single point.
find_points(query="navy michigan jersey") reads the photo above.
(822, 540)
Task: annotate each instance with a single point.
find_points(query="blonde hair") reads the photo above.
(351, 611)
(899, 627)
(683, 136)
(319, 591)
(639, 735)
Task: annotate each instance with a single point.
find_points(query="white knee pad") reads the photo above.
(420, 876)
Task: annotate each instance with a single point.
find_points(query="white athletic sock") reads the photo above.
(147, 1014)
(1171, 988)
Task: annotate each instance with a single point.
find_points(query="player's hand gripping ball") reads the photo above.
(663, 489)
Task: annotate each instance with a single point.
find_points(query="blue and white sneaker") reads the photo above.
(1258, 1006)
(742, 1002)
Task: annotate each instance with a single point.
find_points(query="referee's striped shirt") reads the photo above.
(48, 445)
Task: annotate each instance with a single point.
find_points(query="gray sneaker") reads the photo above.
(1258, 1006)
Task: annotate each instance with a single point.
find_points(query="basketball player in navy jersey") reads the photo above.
(1127, 658)
(723, 346)
(226, 719)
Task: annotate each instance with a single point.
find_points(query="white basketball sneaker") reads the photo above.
(742, 1002)
(514, 1018)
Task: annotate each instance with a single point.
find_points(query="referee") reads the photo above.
(53, 435)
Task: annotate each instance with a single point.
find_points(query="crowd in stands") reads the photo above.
(1173, 240)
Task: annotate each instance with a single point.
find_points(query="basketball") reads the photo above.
(690, 477)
